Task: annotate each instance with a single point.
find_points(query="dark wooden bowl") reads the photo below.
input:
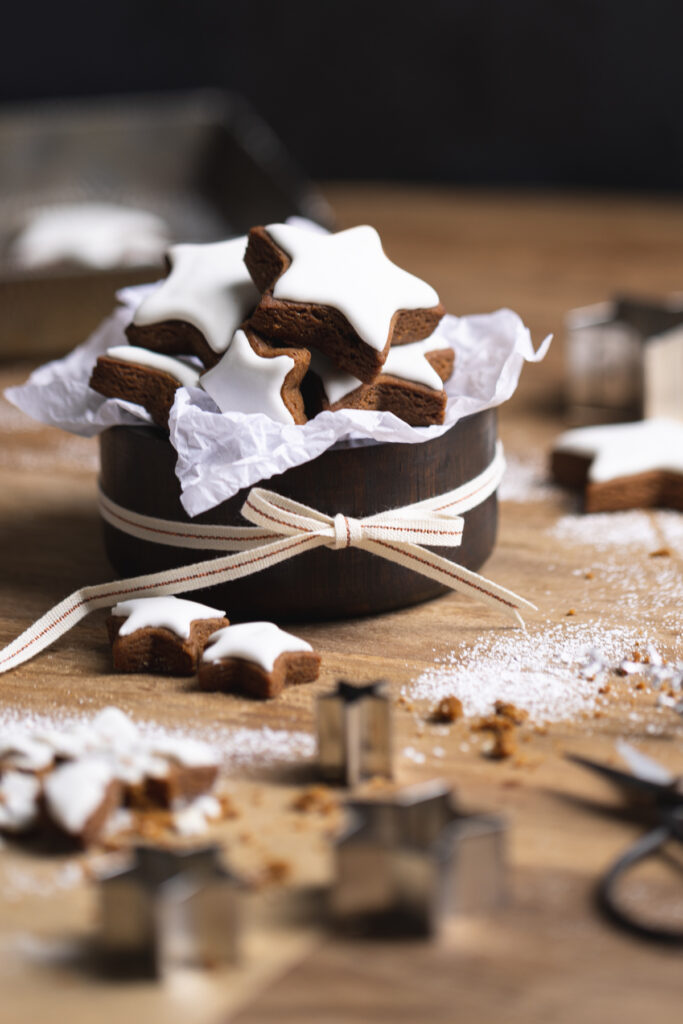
(137, 471)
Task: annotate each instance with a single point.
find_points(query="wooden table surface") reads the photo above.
(547, 956)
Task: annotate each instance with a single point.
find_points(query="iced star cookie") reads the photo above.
(147, 378)
(199, 306)
(622, 466)
(253, 377)
(257, 659)
(338, 293)
(410, 385)
(164, 635)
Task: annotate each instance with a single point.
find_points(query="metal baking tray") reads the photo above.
(203, 161)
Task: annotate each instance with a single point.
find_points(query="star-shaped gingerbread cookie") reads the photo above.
(258, 659)
(199, 306)
(163, 635)
(338, 293)
(411, 384)
(622, 466)
(252, 377)
(149, 379)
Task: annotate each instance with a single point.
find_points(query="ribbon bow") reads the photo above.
(284, 528)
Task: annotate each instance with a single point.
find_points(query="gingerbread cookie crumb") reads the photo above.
(504, 746)
(511, 712)
(449, 709)
(276, 871)
(315, 800)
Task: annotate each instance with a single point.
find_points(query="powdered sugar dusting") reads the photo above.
(547, 672)
(635, 529)
(237, 747)
(526, 479)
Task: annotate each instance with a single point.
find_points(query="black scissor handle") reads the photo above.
(643, 848)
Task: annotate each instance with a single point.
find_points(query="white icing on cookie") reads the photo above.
(110, 747)
(260, 642)
(25, 753)
(74, 792)
(208, 287)
(349, 271)
(408, 362)
(18, 801)
(99, 235)
(404, 361)
(195, 819)
(112, 727)
(172, 613)
(184, 750)
(180, 371)
(337, 384)
(245, 382)
(625, 449)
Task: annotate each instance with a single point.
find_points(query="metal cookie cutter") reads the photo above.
(170, 908)
(404, 865)
(354, 733)
(625, 359)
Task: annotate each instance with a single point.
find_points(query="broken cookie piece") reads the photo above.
(147, 378)
(257, 659)
(181, 770)
(337, 293)
(104, 775)
(161, 634)
(78, 798)
(252, 377)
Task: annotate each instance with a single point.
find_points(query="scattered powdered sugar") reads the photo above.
(234, 747)
(526, 479)
(416, 756)
(243, 747)
(646, 531)
(554, 674)
(44, 880)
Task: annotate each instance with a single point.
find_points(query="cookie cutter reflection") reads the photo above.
(405, 865)
(354, 733)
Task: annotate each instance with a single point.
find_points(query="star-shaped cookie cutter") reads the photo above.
(406, 864)
(354, 733)
(624, 359)
(169, 908)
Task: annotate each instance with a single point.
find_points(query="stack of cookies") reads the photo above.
(288, 322)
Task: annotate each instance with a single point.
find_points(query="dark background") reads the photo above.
(532, 92)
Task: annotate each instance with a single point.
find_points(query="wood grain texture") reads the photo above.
(548, 956)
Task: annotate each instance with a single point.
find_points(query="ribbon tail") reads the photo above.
(452, 575)
(60, 619)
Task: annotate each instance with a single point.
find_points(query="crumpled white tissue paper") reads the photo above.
(220, 453)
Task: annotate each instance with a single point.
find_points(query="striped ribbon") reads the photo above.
(283, 528)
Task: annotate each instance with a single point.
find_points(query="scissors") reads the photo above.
(650, 787)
